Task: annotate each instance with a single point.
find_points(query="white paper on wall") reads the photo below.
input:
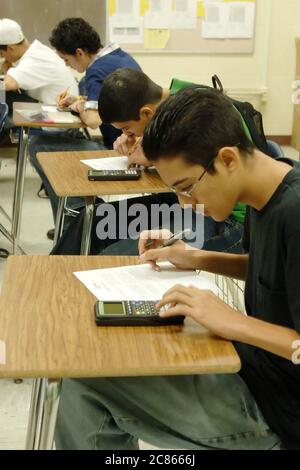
(184, 14)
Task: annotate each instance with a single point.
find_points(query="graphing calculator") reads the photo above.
(114, 175)
(132, 313)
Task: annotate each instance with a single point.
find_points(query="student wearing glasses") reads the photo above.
(128, 101)
(258, 408)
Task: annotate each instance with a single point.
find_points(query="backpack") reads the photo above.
(252, 119)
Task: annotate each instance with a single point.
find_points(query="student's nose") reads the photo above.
(184, 200)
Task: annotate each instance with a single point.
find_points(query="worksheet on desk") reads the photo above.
(108, 163)
(139, 282)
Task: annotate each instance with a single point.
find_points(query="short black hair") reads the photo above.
(195, 124)
(124, 92)
(75, 33)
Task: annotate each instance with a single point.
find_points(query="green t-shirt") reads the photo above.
(239, 211)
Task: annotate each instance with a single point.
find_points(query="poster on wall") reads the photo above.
(183, 25)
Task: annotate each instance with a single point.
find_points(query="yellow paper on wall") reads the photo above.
(156, 38)
(200, 9)
(144, 6)
(112, 7)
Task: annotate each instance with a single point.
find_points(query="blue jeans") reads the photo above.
(183, 412)
(59, 142)
(224, 236)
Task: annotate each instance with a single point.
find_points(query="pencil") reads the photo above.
(64, 94)
(134, 147)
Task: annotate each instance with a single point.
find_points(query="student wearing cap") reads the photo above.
(39, 72)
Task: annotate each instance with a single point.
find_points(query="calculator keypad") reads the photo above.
(142, 308)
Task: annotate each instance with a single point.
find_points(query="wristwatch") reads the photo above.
(90, 105)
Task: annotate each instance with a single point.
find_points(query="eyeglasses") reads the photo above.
(188, 192)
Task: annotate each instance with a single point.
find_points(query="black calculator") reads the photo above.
(114, 175)
(132, 313)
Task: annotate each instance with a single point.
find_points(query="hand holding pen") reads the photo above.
(155, 245)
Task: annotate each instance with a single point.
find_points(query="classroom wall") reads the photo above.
(270, 68)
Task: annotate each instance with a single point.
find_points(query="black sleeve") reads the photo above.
(293, 277)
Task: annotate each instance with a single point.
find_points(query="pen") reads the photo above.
(177, 236)
(64, 94)
(134, 147)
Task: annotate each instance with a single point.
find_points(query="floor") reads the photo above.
(36, 220)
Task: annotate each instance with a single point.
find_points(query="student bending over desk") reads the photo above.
(259, 408)
(79, 45)
(38, 71)
(128, 100)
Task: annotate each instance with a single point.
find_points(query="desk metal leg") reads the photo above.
(19, 187)
(43, 413)
(87, 226)
(59, 223)
(35, 413)
(52, 395)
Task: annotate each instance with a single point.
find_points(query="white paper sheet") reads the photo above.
(50, 118)
(184, 14)
(159, 14)
(126, 25)
(241, 20)
(49, 109)
(216, 20)
(109, 163)
(139, 282)
(228, 19)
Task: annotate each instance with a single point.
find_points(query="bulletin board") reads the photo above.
(183, 26)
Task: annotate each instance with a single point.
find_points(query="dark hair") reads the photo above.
(124, 92)
(196, 124)
(75, 33)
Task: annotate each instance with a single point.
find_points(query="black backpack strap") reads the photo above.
(217, 84)
(254, 122)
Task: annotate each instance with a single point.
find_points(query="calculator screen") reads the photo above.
(113, 308)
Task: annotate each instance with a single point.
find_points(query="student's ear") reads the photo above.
(229, 158)
(146, 113)
(79, 52)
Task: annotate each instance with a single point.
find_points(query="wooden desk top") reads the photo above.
(47, 323)
(21, 121)
(68, 176)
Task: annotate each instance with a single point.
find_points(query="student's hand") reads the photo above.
(138, 158)
(205, 308)
(181, 255)
(77, 106)
(123, 144)
(6, 66)
(64, 100)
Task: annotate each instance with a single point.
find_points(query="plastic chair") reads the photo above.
(275, 151)
(3, 114)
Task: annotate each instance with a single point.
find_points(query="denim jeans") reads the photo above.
(183, 412)
(59, 142)
(10, 98)
(224, 236)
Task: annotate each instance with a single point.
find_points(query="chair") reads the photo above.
(275, 151)
(3, 115)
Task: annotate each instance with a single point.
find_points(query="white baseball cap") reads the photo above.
(10, 32)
